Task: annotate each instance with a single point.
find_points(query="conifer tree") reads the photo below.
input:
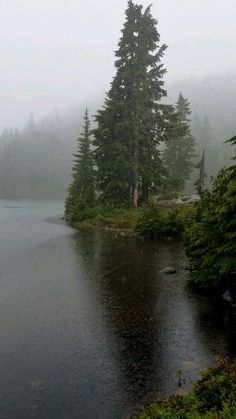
(131, 124)
(81, 193)
(180, 152)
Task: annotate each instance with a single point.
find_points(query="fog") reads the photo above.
(58, 58)
(58, 53)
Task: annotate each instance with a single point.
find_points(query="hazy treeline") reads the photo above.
(35, 162)
(213, 101)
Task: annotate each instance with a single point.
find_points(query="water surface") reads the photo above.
(89, 327)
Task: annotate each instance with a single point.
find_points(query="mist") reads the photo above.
(58, 58)
(61, 53)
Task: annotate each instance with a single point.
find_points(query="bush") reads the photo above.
(119, 219)
(213, 397)
(77, 210)
(114, 218)
(150, 222)
(157, 224)
(210, 241)
(167, 196)
(218, 385)
(186, 214)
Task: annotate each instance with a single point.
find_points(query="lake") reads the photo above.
(89, 326)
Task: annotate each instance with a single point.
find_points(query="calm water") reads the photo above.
(89, 328)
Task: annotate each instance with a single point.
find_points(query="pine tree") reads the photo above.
(81, 193)
(179, 153)
(131, 124)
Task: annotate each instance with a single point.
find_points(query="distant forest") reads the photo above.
(35, 162)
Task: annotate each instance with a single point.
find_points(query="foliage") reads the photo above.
(210, 242)
(76, 208)
(166, 195)
(186, 214)
(81, 193)
(179, 153)
(151, 222)
(213, 397)
(132, 122)
(113, 218)
(217, 385)
(158, 224)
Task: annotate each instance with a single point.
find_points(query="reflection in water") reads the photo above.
(154, 325)
(89, 327)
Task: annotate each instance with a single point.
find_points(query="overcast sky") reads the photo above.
(56, 53)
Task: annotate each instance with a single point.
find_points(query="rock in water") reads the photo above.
(227, 296)
(168, 271)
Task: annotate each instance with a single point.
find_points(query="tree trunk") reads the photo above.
(135, 194)
(145, 192)
(135, 173)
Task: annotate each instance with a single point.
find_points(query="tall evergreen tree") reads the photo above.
(180, 151)
(131, 124)
(81, 193)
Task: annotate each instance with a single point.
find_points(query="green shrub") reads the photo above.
(213, 397)
(126, 219)
(167, 196)
(186, 214)
(114, 218)
(77, 211)
(157, 224)
(217, 385)
(210, 241)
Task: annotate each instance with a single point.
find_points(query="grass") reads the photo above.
(113, 218)
(153, 221)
